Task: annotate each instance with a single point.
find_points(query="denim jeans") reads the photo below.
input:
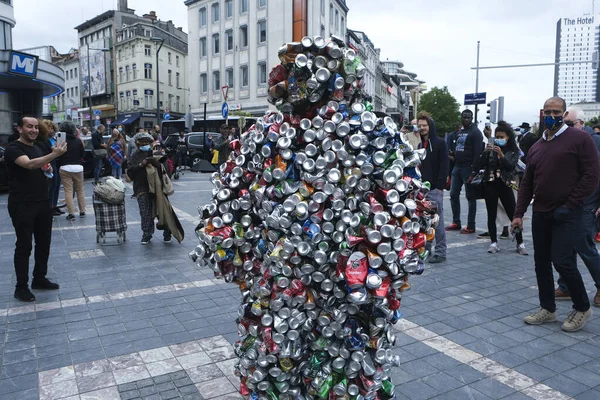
(440, 231)
(98, 164)
(460, 175)
(586, 248)
(117, 171)
(555, 234)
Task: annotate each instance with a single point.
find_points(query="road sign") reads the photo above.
(225, 110)
(475, 98)
(166, 115)
(235, 107)
(97, 112)
(224, 91)
(166, 110)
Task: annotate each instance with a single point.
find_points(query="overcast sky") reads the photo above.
(437, 39)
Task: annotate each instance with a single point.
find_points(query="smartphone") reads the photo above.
(61, 137)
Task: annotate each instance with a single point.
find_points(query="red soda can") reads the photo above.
(382, 291)
(357, 269)
(278, 73)
(417, 241)
(341, 262)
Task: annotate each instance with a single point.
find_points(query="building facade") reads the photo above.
(577, 39)
(234, 43)
(137, 72)
(25, 79)
(66, 105)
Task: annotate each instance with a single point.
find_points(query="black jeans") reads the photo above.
(32, 219)
(555, 234)
(492, 192)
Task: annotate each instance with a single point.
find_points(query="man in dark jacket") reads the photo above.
(469, 146)
(221, 143)
(526, 140)
(99, 154)
(434, 169)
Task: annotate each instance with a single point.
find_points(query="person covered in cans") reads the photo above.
(563, 170)
(469, 145)
(434, 169)
(585, 247)
(498, 163)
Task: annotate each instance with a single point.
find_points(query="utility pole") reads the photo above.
(477, 83)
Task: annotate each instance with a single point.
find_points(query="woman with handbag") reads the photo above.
(497, 172)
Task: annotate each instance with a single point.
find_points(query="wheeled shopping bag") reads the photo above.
(109, 218)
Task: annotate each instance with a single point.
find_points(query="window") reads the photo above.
(119, 55)
(229, 40)
(229, 9)
(337, 20)
(177, 80)
(243, 6)
(216, 81)
(322, 31)
(147, 50)
(262, 3)
(177, 61)
(331, 15)
(148, 103)
(202, 17)
(75, 72)
(147, 71)
(170, 75)
(169, 57)
(177, 104)
(343, 27)
(203, 83)
(244, 76)
(214, 9)
(76, 91)
(71, 74)
(215, 43)
(121, 74)
(133, 50)
(262, 31)
(202, 47)
(134, 68)
(243, 37)
(229, 77)
(262, 73)
(127, 72)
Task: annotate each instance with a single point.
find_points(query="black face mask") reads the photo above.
(570, 124)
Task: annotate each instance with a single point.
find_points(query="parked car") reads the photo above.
(88, 162)
(195, 146)
(3, 175)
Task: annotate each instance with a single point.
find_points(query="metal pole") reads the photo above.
(157, 86)
(477, 83)
(89, 85)
(532, 65)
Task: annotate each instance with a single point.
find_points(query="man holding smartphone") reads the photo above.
(29, 206)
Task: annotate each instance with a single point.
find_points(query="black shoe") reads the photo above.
(146, 239)
(81, 214)
(505, 234)
(167, 239)
(24, 294)
(484, 235)
(44, 284)
(70, 217)
(437, 259)
(56, 212)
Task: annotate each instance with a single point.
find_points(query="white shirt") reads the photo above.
(74, 169)
(561, 130)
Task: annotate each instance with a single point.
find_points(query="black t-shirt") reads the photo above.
(25, 185)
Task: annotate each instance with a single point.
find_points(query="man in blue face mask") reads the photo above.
(563, 170)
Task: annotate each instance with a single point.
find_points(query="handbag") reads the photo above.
(474, 189)
(100, 153)
(167, 185)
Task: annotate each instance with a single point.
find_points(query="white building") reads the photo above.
(577, 39)
(369, 56)
(66, 105)
(235, 42)
(136, 72)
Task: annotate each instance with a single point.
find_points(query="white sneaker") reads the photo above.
(522, 250)
(540, 316)
(494, 248)
(576, 320)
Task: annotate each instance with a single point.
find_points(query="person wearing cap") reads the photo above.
(434, 169)
(585, 247)
(526, 139)
(563, 170)
(141, 158)
(469, 146)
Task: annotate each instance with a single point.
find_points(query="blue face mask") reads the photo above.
(553, 123)
(522, 130)
(500, 142)
(145, 147)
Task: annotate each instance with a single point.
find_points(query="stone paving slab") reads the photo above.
(129, 314)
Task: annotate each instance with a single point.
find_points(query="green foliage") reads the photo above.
(593, 121)
(443, 108)
(240, 113)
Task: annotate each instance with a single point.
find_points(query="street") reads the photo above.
(135, 321)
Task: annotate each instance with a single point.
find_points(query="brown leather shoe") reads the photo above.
(560, 295)
(596, 301)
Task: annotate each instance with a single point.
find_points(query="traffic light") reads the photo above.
(492, 112)
(500, 109)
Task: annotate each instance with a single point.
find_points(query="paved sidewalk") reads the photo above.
(136, 321)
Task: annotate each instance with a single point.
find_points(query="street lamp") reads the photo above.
(161, 41)
(90, 80)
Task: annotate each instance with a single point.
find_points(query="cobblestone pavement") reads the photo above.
(142, 322)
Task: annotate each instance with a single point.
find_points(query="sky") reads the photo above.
(436, 39)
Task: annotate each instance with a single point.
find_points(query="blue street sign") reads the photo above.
(166, 116)
(97, 112)
(475, 98)
(225, 110)
(22, 64)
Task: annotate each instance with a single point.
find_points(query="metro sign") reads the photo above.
(23, 64)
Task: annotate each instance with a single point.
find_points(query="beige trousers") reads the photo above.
(73, 181)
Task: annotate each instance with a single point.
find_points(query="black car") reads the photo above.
(3, 175)
(196, 146)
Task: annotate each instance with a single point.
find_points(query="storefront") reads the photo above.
(134, 120)
(103, 114)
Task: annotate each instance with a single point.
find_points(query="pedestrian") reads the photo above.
(214, 160)
(585, 246)
(526, 139)
(412, 134)
(29, 206)
(85, 131)
(221, 144)
(498, 163)
(100, 152)
(55, 183)
(71, 170)
(563, 170)
(182, 150)
(117, 150)
(468, 148)
(15, 133)
(434, 169)
(138, 173)
(596, 128)
(159, 135)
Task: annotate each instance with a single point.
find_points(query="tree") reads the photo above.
(443, 108)
(593, 121)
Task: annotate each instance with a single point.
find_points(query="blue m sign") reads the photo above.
(23, 64)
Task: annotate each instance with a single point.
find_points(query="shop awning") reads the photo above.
(126, 119)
